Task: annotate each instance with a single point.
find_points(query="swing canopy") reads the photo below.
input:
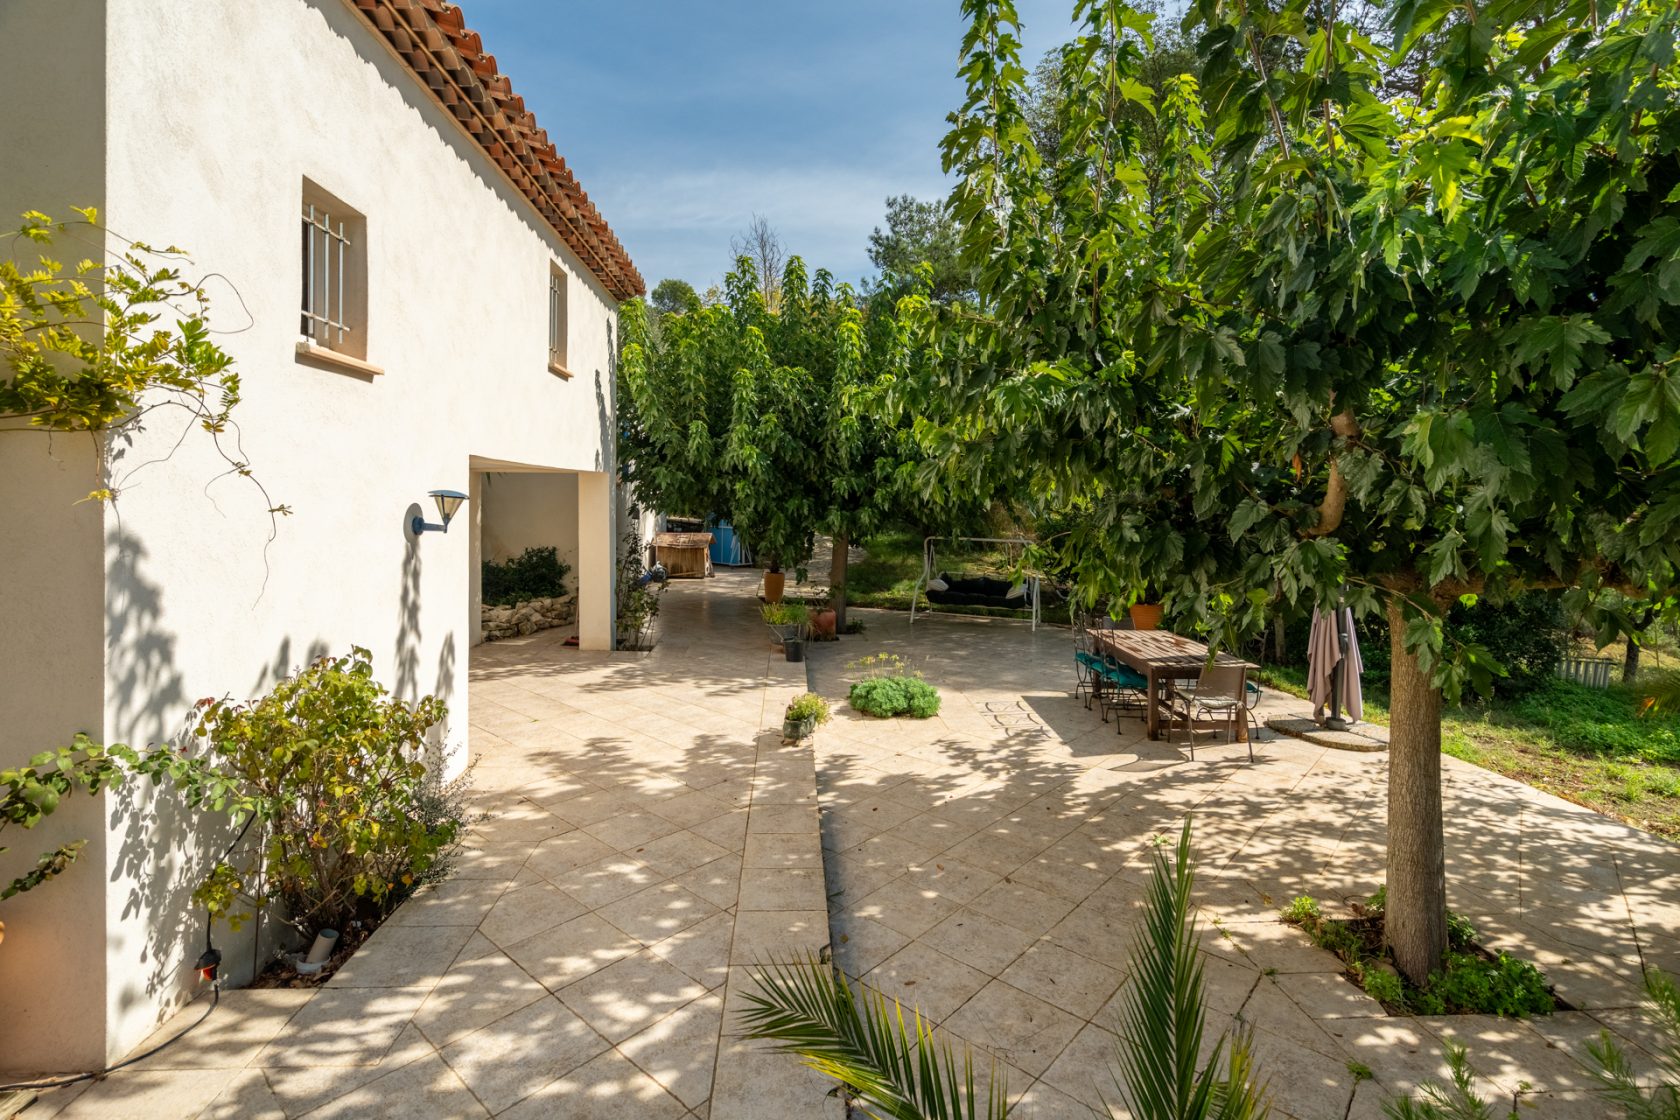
(973, 588)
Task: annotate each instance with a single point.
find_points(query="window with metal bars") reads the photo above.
(334, 258)
(557, 321)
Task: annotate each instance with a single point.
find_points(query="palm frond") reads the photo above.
(1457, 1101)
(894, 1067)
(1163, 1016)
(1611, 1067)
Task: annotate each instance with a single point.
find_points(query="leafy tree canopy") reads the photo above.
(921, 234)
(674, 297)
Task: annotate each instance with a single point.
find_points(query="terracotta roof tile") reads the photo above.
(432, 38)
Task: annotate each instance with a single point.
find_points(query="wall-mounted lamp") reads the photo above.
(448, 501)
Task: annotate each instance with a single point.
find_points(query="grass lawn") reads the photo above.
(892, 565)
(1586, 745)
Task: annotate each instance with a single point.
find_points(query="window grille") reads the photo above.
(556, 319)
(326, 257)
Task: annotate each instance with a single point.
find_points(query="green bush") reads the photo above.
(536, 573)
(786, 613)
(807, 705)
(1503, 986)
(892, 696)
(329, 767)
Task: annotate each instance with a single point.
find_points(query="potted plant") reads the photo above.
(787, 621)
(824, 622)
(803, 714)
(1145, 615)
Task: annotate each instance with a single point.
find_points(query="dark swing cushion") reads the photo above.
(972, 591)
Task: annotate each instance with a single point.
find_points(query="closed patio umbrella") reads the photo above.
(1324, 651)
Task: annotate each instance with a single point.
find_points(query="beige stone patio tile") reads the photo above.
(595, 805)
(1267, 1008)
(691, 807)
(1512, 1054)
(1402, 1055)
(766, 936)
(679, 852)
(702, 950)
(454, 902)
(923, 978)
(607, 880)
(655, 913)
(1328, 996)
(150, 1092)
(576, 849)
(300, 1089)
(243, 1023)
(758, 1084)
(774, 850)
(1282, 948)
(718, 882)
(1022, 1029)
(499, 860)
(979, 940)
(630, 994)
(566, 953)
(1000, 857)
(1076, 984)
(1085, 1070)
(402, 956)
(905, 905)
(727, 830)
(521, 913)
(1095, 932)
(862, 943)
(1044, 1101)
(521, 821)
(680, 1050)
(625, 831)
(523, 1051)
(1303, 1083)
(474, 994)
(425, 1087)
(344, 1027)
(247, 1096)
(952, 878)
(1022, 906)
(769, 819)
(764, 888)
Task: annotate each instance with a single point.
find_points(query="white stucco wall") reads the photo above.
(531, 510)
(216, 113)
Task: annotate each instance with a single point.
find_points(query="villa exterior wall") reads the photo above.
(214, 114)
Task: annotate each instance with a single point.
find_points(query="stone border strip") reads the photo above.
(781, 913)
(1370, 737)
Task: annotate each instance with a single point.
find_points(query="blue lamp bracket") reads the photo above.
(448, 502)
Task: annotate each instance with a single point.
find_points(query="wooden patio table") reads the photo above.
(1161, 657)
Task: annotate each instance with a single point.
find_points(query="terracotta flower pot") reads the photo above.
(823, 622)
(773, 584)
(1146, 616)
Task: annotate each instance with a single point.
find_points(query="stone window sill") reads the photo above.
(344, 363)
(559, 371)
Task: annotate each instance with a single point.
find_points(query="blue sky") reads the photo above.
(683, 119)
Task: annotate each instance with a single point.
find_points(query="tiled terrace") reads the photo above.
(645, 838)
(987, 865)
(650, 836)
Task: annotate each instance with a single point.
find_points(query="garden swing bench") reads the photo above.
(977, 590)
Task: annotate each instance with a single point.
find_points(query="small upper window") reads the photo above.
(557, 357)
(334, 274)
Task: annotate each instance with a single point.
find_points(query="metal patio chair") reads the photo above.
(1219, 691)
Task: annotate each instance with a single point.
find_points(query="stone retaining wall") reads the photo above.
(528, 616)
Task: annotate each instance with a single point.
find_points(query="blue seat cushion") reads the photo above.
(1123, 676)
(1088, 659)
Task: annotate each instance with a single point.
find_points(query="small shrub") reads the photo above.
(1383, 986)
(892, 696)
(807, 706)
(536, 573)
(1503, 986)
(1301, 910)
(330, 768)
(785, 614)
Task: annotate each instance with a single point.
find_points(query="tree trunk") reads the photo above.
(1279, 652)
(1630, 662)
(837, 580)
(1415, 922)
